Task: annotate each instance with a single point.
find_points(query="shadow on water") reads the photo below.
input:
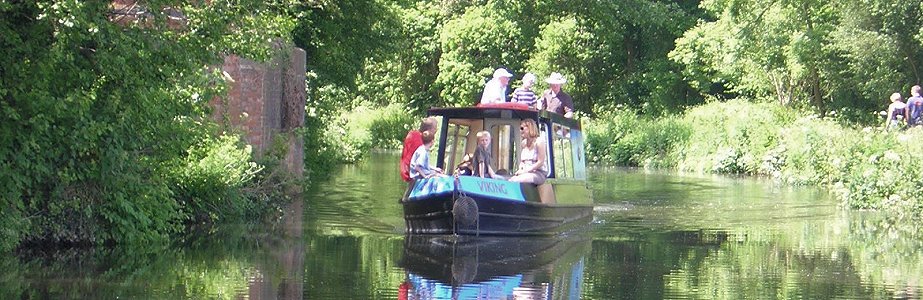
(654, 236)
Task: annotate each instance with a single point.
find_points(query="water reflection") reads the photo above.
(460, 267)
(231, 262)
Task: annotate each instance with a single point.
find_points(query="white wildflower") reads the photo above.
(892, 156)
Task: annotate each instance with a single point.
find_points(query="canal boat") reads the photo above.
(471, 267)
(470, 205)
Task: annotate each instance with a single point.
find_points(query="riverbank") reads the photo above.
(866, 168)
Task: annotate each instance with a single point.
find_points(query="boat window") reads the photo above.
(576, 141)
(563, 151)
(456, 144)
(502, 147)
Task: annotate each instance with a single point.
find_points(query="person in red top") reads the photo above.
(412, 141)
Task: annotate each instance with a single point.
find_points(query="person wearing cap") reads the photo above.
(495, 89)
(525, 94)
(554, 99)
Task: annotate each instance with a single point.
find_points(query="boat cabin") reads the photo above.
(565, 160)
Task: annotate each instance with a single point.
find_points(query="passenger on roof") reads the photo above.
(495, 89)
(554, 99)
(525, 94)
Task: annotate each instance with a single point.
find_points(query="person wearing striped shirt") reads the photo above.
(525, 94)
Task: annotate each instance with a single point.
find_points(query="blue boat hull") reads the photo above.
(478, 206)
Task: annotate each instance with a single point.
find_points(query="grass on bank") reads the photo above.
(866, 168)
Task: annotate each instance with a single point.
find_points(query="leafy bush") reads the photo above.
(346, 138)
(210, 179)
(390, 127)
(729, 137)
(623, 138)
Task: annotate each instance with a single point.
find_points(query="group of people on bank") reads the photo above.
(552, 99)
(532, 157)
(908, 113)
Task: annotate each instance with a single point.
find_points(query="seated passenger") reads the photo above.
(419, 163)
(412, 142)
(532, 158)
(482, 157)
(464, 168)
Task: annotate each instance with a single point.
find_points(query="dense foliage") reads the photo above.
(809, 77)
(104, 134)
(419, 54)
(866, 168)
(846, 56)
(427, 53)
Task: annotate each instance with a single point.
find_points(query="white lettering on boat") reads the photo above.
(491, 187)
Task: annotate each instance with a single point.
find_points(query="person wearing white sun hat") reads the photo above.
(495, 89)
(554, 99)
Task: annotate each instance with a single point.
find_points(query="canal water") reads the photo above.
(654, 236)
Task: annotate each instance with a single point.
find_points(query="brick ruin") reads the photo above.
(266, 102)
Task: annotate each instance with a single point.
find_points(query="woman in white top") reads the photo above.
(897, 112)
(532, 157)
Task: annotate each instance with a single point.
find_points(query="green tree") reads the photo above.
(473, 45)
(614, 53)
(99, 103)
(825, 55)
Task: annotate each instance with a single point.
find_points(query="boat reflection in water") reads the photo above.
(471, 267)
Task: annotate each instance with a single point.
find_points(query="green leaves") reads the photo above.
(99, 103)
(825, 55)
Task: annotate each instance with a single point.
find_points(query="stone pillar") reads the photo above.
(293, 110)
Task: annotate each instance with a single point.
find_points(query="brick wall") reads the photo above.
(266, 102)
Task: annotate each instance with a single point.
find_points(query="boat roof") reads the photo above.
(502, 111)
